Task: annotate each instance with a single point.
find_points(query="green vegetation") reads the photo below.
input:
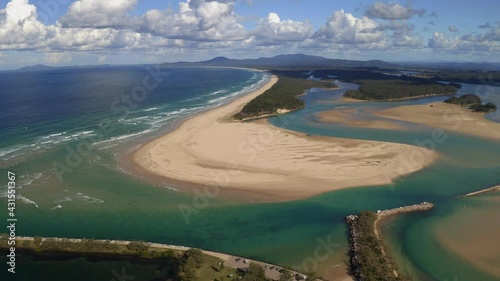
(375, 266)
(283, 95)
(471, 77)
(472, 102)
(254, 273)
(397, 89)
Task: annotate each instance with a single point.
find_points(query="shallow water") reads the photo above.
(98, 200)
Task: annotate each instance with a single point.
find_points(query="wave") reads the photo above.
(88, 199)
(223, 91)
(150, 109)
(28, 180)
(26, 200)
(10, 150)
(56, 207)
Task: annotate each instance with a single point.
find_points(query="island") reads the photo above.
(473, 103)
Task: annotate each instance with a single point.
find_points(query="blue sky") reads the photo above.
(66, 32)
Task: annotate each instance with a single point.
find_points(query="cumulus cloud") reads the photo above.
(344, 28)
(440, 41)
(392, 11)
(273, 30)
(452, 28)
(98, 13)
(487, 42)
(408, 41)
(19, 27)
(200, 20)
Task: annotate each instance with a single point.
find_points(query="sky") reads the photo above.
(90, 32)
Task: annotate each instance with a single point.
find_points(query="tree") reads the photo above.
(37, 240)
(255, 273)
(193, 257)
(137, 246)
(286, 275)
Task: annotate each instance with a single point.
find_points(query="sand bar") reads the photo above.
(256, 158)
(349, 116)
(449, 117)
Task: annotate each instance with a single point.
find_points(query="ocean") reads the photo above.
(65, 132)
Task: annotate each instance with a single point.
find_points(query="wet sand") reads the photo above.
(473, 233)
(349, 116)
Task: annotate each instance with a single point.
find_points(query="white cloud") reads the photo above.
(99, 13)
(273, 30)
(392, 11)
(19, 28)
(57, 58)
(198, 20)
(486, 43)
(440, 41)
(344, 28)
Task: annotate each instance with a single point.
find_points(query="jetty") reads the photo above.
(482, 191)
(365, 243)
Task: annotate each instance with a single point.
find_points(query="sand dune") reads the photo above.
(271, 163)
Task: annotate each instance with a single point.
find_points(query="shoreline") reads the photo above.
(228, 260)
(264, 162)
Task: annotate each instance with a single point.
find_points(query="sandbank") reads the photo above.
(348, 116)
(256, 158)
(449, 117)
(472, 233)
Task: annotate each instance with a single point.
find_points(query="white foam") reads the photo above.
(26, 200)
(150, 109)
(10, 150)
(56, 207)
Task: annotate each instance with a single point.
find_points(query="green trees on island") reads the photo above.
(396, 89)
(282, 95)
(472, 102)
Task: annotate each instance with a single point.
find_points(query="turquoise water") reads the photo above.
(98, 199)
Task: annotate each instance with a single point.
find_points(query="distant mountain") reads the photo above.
(36, 67)
(287, 61)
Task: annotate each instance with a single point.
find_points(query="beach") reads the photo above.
(269, 163)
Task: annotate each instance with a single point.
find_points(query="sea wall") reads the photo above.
(352, 221)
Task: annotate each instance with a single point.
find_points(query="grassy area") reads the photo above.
(283, 95)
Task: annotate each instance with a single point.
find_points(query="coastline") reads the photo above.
(231, 261)
(266, 162)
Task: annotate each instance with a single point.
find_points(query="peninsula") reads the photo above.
(268, 163)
